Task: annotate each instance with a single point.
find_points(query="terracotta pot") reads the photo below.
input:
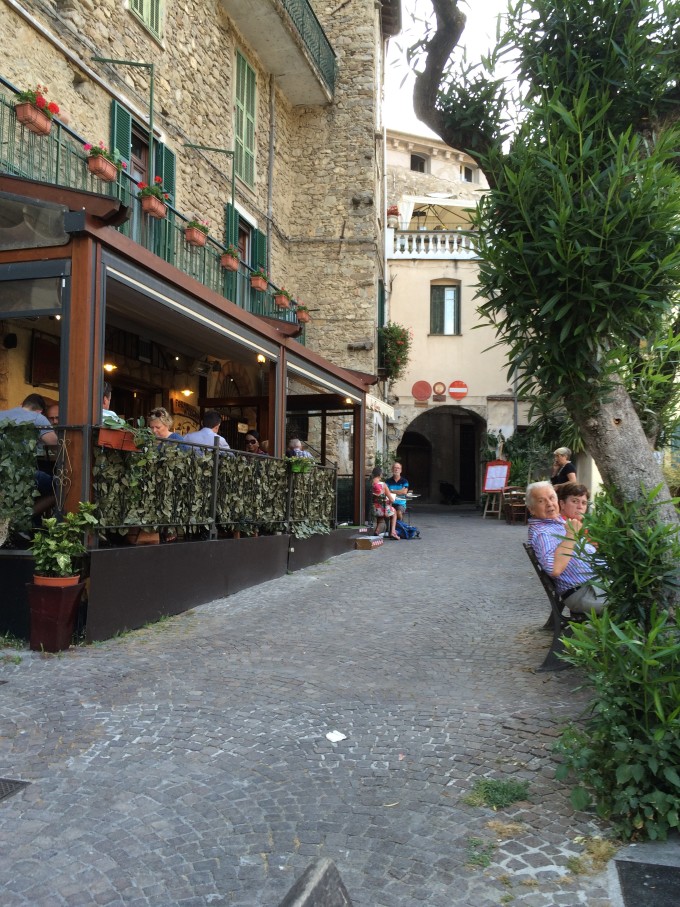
(229, 262)
(116, 439)
(195, 237)
(258, 283)
(56, 580)
(33, 118)
(283, 302)
(303, 317)
(153, 206)
(102, 167)
(139, 536)
(53, 615)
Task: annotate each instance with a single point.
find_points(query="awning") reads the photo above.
(378, 406)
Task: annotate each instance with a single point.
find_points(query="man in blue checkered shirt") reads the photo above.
(554, 541)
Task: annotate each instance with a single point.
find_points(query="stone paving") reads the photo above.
(187, 763)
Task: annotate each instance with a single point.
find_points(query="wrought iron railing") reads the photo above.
(59, 159)
(314, 38)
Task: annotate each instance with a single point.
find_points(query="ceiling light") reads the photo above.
(110, 367)
(261, 359)
(187, 392)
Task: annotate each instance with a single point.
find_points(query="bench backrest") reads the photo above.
(546, 581)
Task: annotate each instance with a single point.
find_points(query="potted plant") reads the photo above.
(116, 434)
(55, 592)
(282, 298)
(103, 163)
(196, 232)
(393, 216)
(302, 313)
(230, 258)
(34, 111)
(259, 279)
(394, 349)
(153, 198)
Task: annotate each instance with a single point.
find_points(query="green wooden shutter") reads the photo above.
(244, 137)
(166, 168)
(437, 310)
(121, 141)
(165, 233)
(137, 6)
(231, 278)
(155, 16)
(259, 250)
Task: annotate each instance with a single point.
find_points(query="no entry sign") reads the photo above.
(458, 390)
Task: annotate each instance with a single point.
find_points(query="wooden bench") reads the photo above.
(557, 622)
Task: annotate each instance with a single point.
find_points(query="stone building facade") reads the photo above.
(316, 192)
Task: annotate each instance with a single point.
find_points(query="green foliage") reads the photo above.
(18, 444)
(637, 555)
(479, 852)
(395, 346)
(58, 542)
(497, 793)
(628, 752)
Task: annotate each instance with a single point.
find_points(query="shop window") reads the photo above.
(150, 12)
(244, 127)
(445, 309)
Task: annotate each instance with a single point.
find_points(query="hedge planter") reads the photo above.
(116, 439)
(53, 615)
(153, 206)
(229, 262)
(33, 118)
(102, 167)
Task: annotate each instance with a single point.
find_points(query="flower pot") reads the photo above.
(33, 118)
(229, 262)
(100, 166)
(303, 317)
(283, 302)
(194, 236)
(116, 439)
(139, 536)
(153, 206)
(258, 283)
(55, 581)
(53, 612)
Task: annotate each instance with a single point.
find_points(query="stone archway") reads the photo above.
(440, 454)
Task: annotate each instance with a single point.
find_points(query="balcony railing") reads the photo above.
(431, 244)
(314, 37)
(59, 159)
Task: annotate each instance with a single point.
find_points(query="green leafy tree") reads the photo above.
(578, 236)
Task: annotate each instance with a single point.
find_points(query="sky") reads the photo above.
(478, 37)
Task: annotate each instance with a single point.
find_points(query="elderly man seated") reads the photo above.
(554, 541)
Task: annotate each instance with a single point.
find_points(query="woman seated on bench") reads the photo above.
(383, 499)
(553, 538)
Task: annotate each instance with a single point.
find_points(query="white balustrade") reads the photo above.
(430, 244)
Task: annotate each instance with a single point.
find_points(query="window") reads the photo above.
(467, 174)
(445, 309)
(418, 163)
(245, 121)
(149, 11)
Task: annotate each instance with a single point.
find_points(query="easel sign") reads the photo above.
(496, 476)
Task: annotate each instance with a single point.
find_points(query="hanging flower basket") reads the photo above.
(282, 301)
(33, 119)
(229, 262)
(258, 283)
(153, 206)
(105, 169)
(303, 316)
(194, 236)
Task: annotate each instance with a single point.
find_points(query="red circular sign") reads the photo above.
(439, 388)
(421, 390)
(458, 390)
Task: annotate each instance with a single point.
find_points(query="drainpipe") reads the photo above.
(270, 172)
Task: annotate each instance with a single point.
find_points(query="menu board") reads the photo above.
(496, 475)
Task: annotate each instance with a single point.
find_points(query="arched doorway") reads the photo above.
(440, 454)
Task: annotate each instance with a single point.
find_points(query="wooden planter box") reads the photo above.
(229, 262)
(195, 237)
(153, 206)
(33, 118)
(116, 439)
(258, 283)
(283, 302)
(100, 166)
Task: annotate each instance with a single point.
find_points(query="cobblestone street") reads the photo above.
(188, 764)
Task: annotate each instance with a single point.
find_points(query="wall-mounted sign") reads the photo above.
(421, 390)
(439, 388)
(458, 390)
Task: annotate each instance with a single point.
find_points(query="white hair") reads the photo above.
(532, 488)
